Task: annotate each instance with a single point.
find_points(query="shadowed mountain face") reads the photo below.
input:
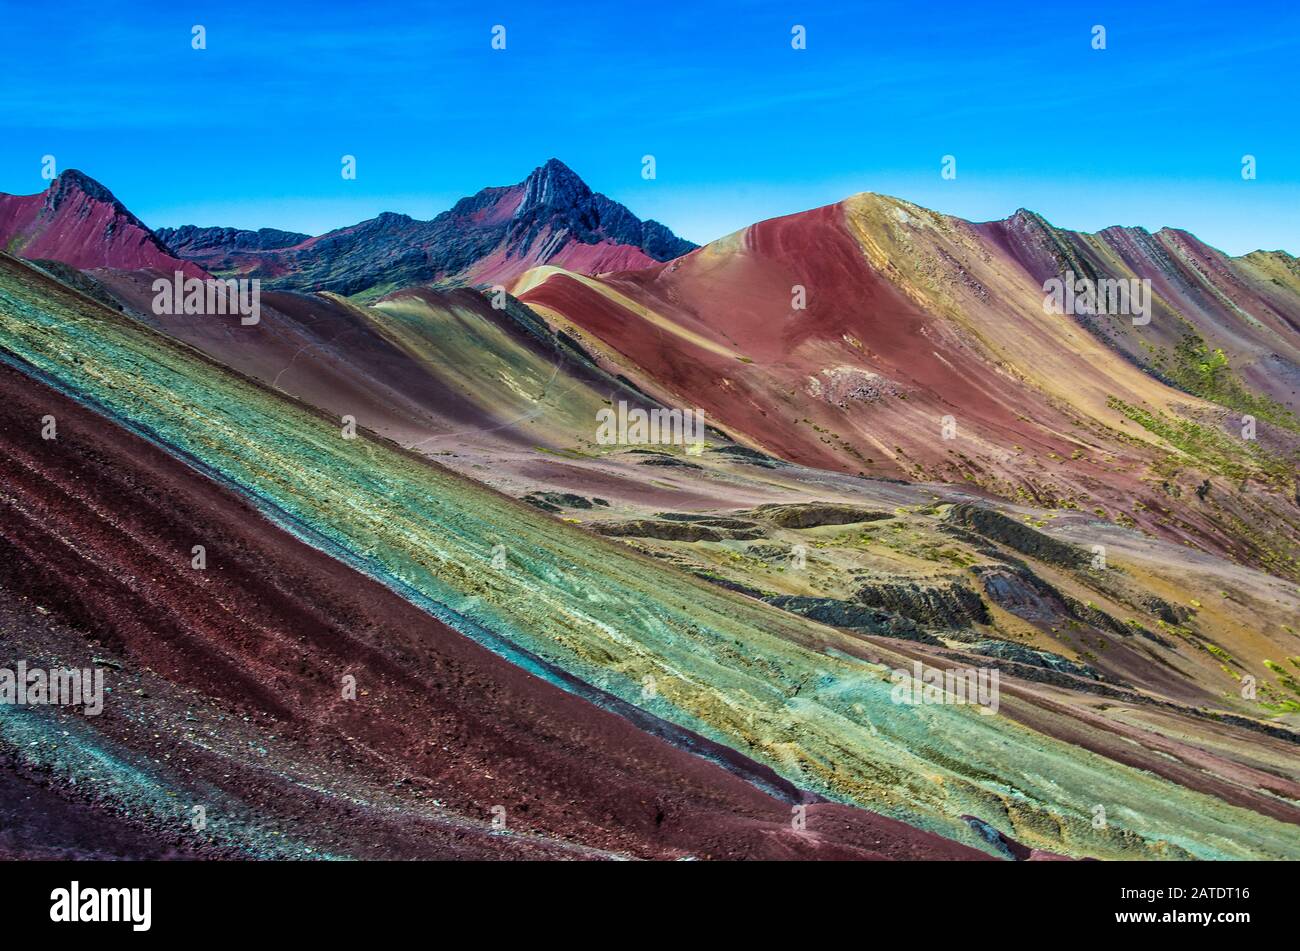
(78, 221)
(226, 249)
(551, 217)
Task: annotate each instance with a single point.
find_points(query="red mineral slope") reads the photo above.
(876, 337)
(857, 380)
(78, 221)
(226, 689)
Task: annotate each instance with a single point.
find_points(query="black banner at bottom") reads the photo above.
(85, 900)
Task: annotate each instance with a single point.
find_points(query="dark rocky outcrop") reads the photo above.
(714, 521)
(1007, 650)
(214, 247)
(751, 456)
(1095, 616)
(730, 585)
(814, 514)
(670, 462)
(1169, 613)
(723, 521)
(1022, 593)
(558, 501)
(853, 617)
(1001, 528)
(770, 552)
(1016, 588)
(941, 603)
(556, 200)
(1008, 847)
(673, 531)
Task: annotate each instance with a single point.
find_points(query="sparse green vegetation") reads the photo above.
(1238, 460)
(1203, 372)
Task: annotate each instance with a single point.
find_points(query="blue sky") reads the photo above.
(250, 131)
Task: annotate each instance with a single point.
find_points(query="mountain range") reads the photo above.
(652, 650)
(551, 217)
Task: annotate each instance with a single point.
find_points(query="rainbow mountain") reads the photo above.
(439, 617)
